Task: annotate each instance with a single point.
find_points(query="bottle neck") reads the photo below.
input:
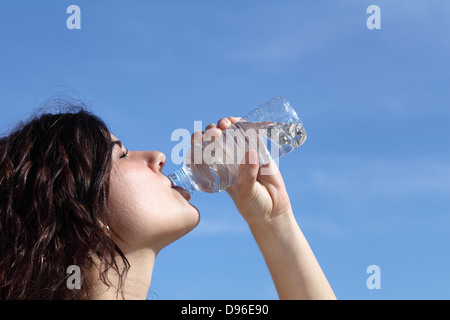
(180, 179)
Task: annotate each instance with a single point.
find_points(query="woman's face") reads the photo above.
(145, 211)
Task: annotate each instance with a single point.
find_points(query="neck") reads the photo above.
(134, 285)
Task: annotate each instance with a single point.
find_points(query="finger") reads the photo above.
(234, 119)
(210, 126)
(197, 137)
(248, 173)
(223, 123)
(211, 131)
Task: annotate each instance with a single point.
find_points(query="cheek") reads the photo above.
(134, 195)
(144, 210)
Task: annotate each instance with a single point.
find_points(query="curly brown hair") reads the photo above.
(54, 187)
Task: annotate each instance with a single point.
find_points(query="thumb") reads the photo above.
(248, 172)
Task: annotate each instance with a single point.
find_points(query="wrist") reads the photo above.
(281, 224)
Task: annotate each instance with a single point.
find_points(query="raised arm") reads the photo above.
(264, 203)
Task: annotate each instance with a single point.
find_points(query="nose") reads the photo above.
(155, 160)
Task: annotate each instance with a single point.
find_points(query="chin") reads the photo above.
(194, 219)
(190, 220)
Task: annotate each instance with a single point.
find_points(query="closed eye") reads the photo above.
(118, 143)
(124, 155)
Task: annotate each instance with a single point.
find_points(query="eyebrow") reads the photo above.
(116, 142)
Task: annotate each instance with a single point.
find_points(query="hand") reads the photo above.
(259, 193)
(263, 201)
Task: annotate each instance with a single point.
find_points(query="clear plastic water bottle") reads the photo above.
(273, 129)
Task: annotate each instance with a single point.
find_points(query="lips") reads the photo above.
(183, 192)
(180, 190)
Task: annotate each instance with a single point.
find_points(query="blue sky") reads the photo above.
(371, 184)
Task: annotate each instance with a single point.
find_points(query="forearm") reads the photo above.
(291, 262)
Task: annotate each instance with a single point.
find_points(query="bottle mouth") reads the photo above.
(180, 180)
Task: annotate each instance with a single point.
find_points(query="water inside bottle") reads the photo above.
(290, 135)
(270, 139)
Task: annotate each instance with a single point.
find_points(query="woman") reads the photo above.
(72, 195)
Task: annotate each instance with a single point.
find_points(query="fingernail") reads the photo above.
(222, 123)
